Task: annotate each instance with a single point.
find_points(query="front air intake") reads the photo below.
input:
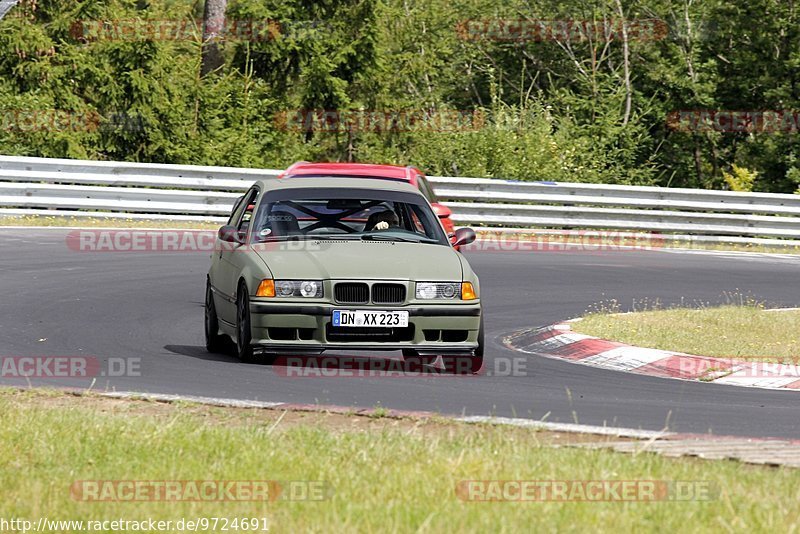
(388, 293)
(351, 293)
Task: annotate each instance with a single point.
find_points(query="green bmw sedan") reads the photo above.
(336, 263)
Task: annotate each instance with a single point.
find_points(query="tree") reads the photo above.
(213, 28)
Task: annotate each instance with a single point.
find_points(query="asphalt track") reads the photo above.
(56, 301)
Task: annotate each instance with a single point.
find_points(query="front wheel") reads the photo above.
(244, 350)
(215, 342)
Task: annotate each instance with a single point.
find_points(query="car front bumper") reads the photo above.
(306, 328)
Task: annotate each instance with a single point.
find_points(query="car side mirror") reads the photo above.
(464, 236)
(230, 234)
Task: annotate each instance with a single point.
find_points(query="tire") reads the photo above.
(467, 364)
(215, 342)
(244, 350)
(411, 356)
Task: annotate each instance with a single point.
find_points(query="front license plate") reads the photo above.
(369, 318)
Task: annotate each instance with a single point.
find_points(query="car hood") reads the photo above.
(361, 260)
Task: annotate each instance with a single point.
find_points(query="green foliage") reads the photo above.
(740, 179)
(553, 110)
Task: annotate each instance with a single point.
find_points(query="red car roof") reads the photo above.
(407, 174)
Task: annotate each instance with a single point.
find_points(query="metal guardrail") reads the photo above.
(185, 192)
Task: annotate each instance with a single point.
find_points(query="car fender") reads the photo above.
(254, 270)
(468, 275)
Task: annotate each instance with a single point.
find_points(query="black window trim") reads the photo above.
(245, 200)
(407, 197)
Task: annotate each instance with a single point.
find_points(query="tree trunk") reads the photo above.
(626, 64)
(213, 28)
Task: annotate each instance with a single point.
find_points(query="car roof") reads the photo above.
(274, 184)
(304, 168)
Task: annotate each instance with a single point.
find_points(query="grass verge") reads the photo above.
(104, 222)
(386, 475)
(731, 331)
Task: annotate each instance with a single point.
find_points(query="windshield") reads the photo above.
(356, 214)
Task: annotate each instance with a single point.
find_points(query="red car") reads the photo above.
(411, 175)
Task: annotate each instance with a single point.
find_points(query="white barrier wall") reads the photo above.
(186, 192)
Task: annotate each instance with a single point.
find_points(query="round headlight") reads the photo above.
(448, 291)
(426, 291)
(309, 289)
(284, 289)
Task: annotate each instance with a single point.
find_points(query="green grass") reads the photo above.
(384, 480)
(103, 222)
(733, 331)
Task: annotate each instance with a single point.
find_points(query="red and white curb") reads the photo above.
(560, 342)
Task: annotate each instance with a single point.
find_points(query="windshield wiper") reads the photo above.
(383, 237)
(343, 237)
(272, 238)
(306, 237)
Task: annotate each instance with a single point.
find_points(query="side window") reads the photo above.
(243, 213)
(418, 226)
(235, 212)
(421, 223)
